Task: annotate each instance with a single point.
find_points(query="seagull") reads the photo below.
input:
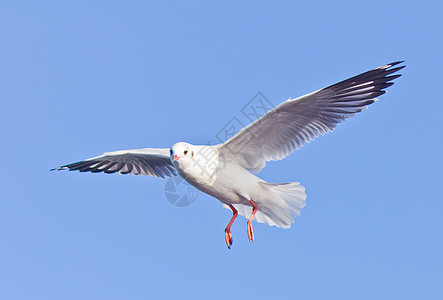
(226, 171)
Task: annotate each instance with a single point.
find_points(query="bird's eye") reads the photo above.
(170, 151)
(185, 152)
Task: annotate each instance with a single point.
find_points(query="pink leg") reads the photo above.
(250, 231)
(228, 235)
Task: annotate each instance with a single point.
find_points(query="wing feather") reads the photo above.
(295, 122)
(147, 161)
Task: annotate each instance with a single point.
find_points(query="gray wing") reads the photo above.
(147, 161)
(294, 122)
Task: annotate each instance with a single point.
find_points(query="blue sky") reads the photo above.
(78, 79)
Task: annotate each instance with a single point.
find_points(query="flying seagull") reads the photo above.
(225, 171)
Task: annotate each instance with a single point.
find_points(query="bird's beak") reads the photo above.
(175, 157)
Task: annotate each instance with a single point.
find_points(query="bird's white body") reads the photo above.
(225, 171)
(206, 168)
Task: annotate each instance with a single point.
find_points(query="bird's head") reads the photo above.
(181, 152)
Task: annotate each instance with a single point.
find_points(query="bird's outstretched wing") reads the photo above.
(294, 122)
(147, 161)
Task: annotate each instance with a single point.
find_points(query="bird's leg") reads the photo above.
(228, 235)
(250, 231)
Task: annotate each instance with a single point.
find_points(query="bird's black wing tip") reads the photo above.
(396, 63)
(388, 67)
(59, 168)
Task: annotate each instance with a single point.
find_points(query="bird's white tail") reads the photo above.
(287, 201)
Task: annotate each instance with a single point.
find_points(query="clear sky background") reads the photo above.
(78, 79)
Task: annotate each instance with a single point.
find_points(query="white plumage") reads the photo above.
(224, 171)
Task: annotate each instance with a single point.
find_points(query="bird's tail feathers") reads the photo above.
(289, 199)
